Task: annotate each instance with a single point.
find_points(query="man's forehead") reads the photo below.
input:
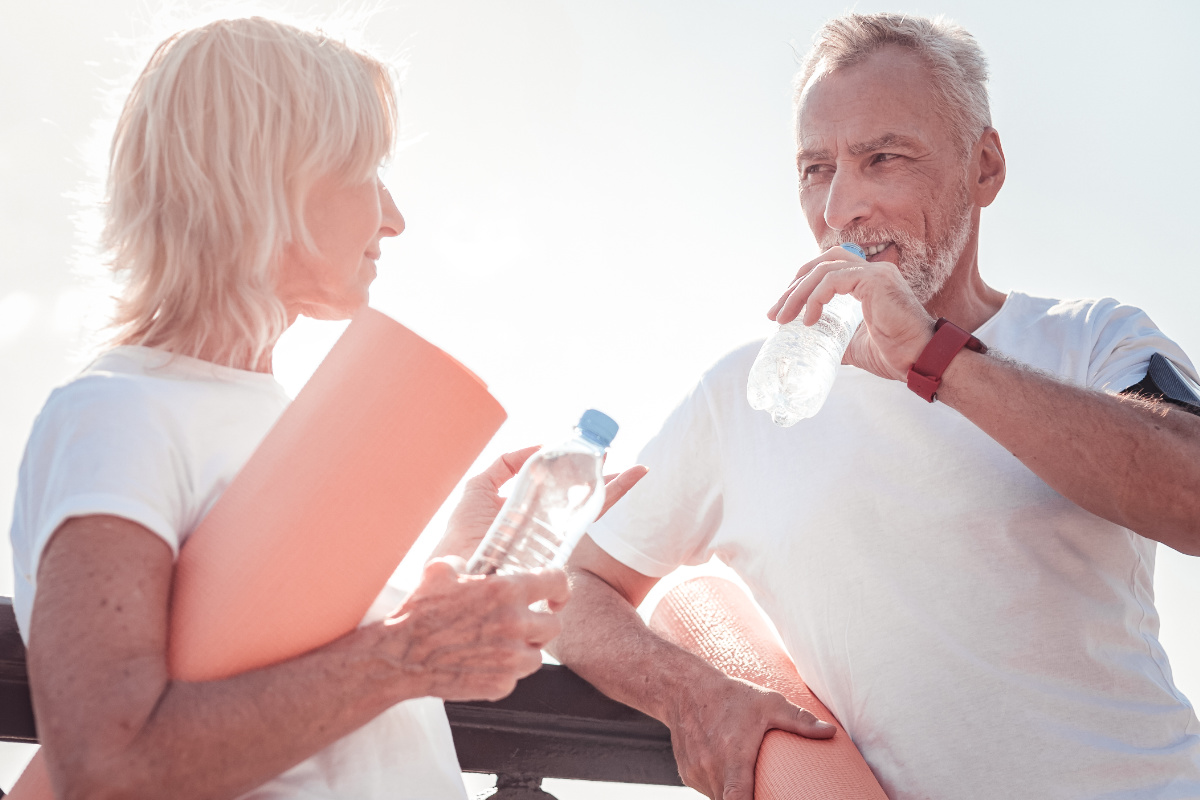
(883, 100)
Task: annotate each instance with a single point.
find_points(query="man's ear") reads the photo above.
(988, 167)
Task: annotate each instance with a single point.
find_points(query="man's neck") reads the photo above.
(966, 300)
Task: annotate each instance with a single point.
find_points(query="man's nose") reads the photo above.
(392, 223)
(848, 200)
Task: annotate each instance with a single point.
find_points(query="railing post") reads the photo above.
(519, 787)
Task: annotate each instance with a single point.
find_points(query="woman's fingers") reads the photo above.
(506, 466)
(545, 584)
(615, 486)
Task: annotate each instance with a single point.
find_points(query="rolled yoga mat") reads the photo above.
(296, 549)
(717, 621)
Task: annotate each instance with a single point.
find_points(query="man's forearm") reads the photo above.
(606, 643)
(1129, 461)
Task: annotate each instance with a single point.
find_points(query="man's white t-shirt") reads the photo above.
(156, 438)
(978, 635)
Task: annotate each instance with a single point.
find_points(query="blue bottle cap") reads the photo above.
(851, 247)
(598, 427)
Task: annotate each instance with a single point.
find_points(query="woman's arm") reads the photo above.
(113, 723)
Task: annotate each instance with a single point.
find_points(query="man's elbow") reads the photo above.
(1188, 544)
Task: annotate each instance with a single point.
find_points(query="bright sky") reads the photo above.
(601, 200)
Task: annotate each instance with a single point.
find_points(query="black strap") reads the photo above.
(1165, 381)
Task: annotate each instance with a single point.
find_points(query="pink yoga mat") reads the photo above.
(714, 619)
(304, 539)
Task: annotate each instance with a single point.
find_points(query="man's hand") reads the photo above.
(470, 637)
(895, 326)
(716, 732)
(481, 501)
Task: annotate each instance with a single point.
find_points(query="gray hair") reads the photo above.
(956, 64)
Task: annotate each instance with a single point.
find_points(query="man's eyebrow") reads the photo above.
(812, 155)
(885, 142)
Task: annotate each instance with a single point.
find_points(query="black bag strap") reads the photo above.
(1165, 381)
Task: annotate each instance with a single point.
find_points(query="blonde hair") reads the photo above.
(957, 67)
(222, 136)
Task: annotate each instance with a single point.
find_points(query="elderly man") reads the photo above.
(958, 549)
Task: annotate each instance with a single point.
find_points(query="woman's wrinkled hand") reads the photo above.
(469, 637)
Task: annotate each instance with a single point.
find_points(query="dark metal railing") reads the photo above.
(554, 725)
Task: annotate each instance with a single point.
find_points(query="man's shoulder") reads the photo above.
(1097, 341)
(1025, 308)
(724, 382)
(734, 363)
(1062, 320)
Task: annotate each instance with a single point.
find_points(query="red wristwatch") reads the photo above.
(925, 376)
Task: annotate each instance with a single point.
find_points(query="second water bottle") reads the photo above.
(557, 495)
(795, 369)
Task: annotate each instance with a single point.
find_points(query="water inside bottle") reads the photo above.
(561, 486)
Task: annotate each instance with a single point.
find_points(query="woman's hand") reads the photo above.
(469, 637)
(481, 502)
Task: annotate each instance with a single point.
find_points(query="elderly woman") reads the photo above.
(243, 191)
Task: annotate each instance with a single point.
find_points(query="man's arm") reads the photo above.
(1132, 462)
(717, 723)
(113, 723)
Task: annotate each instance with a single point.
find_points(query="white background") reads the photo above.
(601, 199)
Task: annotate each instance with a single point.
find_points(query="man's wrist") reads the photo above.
(926, 374)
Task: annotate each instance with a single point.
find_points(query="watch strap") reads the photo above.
(925, 376)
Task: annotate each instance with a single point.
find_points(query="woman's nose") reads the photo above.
(392, 222)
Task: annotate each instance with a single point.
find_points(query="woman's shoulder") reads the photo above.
(106, 388)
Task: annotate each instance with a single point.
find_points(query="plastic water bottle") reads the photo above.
(795, 369)
(558, 494)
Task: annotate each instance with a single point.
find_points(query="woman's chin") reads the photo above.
(332, 312)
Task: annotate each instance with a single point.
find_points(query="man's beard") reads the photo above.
(925, 266)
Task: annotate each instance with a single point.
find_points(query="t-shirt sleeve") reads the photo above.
(1124, 339)
(98, 447)
(671, 516)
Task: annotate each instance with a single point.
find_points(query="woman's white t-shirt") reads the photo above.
(156, 438)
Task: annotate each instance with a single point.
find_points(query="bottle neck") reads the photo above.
(590, 443)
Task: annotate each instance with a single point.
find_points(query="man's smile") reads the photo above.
(875, 249)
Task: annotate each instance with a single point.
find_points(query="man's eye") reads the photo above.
(881, 157)
(815, 171)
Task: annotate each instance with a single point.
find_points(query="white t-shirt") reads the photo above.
(156, 439)
(978, 635)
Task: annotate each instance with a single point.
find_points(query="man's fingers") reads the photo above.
(615, 486)
(799, 292)
(773, 311)
(789, 305)
(795, 719)
(739, 782)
